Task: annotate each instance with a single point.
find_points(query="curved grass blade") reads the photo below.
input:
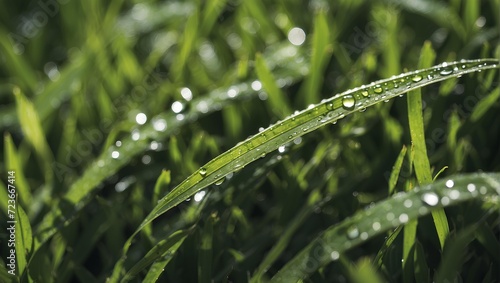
(315, 116)
(385, 215)
(300, 123)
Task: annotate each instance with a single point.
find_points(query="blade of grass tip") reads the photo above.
(321, 53)
(308, 120)
(12, 163)
(364, 272)
(162, 252)
(277, 99)
(396, 169)
(211, 11)
(416, 124)
(32, 128)
(387, 214)
(188, 43)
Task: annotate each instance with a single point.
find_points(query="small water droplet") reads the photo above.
(364, 93)
(403, 218)
(454, 194)
(408, 203)
(416, 78)
(430, 199)
(348, 101)
(449, 184)
(352, 233)
(376, 226)
(335, 255)
(362, 109)
(329, 106)
(220, 181)
(203, 171)
(471, 188)
(115, 154)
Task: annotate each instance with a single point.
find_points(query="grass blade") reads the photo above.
(389, 213)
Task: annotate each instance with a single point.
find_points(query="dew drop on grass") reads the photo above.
(115, 154)
(220, 181)
(403, 218)
(446, 72)
(376, 226)
(352, 232)
(416, 78)
(378, 89)
(430, 199)
(408, 203)
(203, 171)
(335, 255)
(454, 194)
(364, 93)
(471, 188)
(329, 106)
(449, 184)
(348, 101)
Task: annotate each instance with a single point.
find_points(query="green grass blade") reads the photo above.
(165, 249)
(388, 214)
(24, 241)
(364, 272)
(32, 128)
(421, 160)
(328, 111)
(396, 169)
(13, 164)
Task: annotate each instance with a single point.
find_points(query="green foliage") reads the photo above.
(236, 141)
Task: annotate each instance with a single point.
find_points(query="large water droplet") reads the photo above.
(203, 171)
(416, 78)
(446, 72)
(378, 89)
(348, 101)
(430, 199)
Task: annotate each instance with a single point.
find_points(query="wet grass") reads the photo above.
(213, 130)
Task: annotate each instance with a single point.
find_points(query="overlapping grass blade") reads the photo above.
(387, 214)
(328, 111)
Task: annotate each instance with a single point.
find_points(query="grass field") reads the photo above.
(250, 141)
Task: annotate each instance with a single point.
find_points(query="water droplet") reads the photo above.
(408, 203)
(449, 184)
(115, 154)
(446, 72)
(454, 194)
(281, 149)
(445, 200)
(403, 218)
(376, 226)
(220, 181)
(365, 93)
(199, 196)
(430, 199)
(335, 255)
(390, 216)
(348, 101)
(177, 106)
(416, 78)
(352, 233)
(471, 188)
(378, 89)
(203, 171)
(160, 124)
(362, 109)
(141, 118)
(363, 236)
(329, 106)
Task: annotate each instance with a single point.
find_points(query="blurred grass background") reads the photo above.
(79, 79)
